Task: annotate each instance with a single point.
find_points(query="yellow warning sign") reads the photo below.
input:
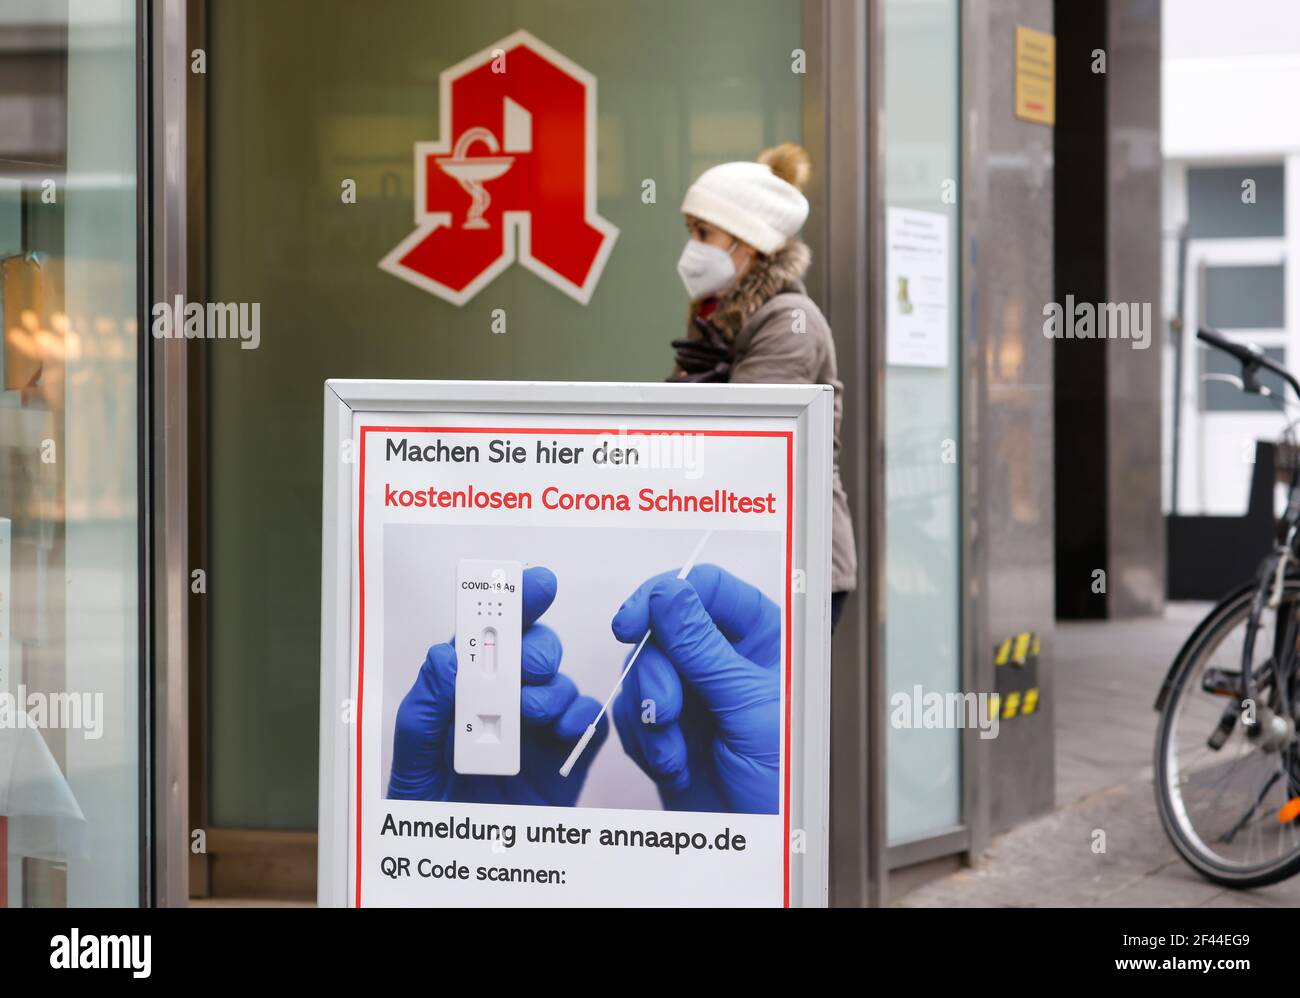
(1035, 75)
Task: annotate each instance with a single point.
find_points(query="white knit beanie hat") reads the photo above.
(752, 201)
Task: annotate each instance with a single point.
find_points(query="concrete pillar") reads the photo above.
(1008, 276)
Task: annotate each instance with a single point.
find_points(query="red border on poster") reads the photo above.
(361, 574)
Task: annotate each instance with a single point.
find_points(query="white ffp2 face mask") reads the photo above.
(705, 269)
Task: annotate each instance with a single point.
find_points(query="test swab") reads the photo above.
(587, 735)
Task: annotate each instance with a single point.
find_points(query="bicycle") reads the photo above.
(1231, 804)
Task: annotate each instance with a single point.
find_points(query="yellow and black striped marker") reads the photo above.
(1020, 650)
(1015, 704)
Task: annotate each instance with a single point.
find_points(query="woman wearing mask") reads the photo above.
(751, 320)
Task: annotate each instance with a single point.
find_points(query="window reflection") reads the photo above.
(69, 656)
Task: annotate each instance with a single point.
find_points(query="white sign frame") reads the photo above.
(810, 410)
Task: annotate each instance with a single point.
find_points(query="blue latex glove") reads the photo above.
(700, 712)
(554, 718)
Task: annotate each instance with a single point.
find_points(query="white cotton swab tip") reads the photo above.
(567, 768)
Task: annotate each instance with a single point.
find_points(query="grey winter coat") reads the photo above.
(759, 316)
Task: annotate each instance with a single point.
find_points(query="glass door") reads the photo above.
(922, 144)
(70, 763)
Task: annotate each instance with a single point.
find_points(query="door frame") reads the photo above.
(1202, 254)
(164, 57)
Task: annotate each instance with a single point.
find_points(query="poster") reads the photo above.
(916, 288)
(682, 795)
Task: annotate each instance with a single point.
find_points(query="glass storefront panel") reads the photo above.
(307, 96)
(922, 84)
(70, 763)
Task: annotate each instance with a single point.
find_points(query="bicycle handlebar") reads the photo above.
(1251, 356)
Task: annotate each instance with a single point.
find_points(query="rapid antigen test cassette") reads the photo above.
(489, 615)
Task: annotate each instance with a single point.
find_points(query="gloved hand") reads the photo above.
(700, 712)
(554, 718)
(705, 354)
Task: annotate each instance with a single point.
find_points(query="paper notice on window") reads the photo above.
(916, 288)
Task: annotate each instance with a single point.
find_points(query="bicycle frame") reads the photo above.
(1273, 570)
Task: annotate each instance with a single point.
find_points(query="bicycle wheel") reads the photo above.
(1221, 808)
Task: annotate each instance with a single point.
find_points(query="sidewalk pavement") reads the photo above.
(1107, 675)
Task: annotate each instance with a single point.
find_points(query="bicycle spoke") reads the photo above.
(1228, 836)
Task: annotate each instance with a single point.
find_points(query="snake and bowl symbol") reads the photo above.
(472, 172)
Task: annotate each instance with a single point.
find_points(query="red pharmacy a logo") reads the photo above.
(513, 173)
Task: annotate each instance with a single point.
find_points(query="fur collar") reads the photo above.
(767, 277)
